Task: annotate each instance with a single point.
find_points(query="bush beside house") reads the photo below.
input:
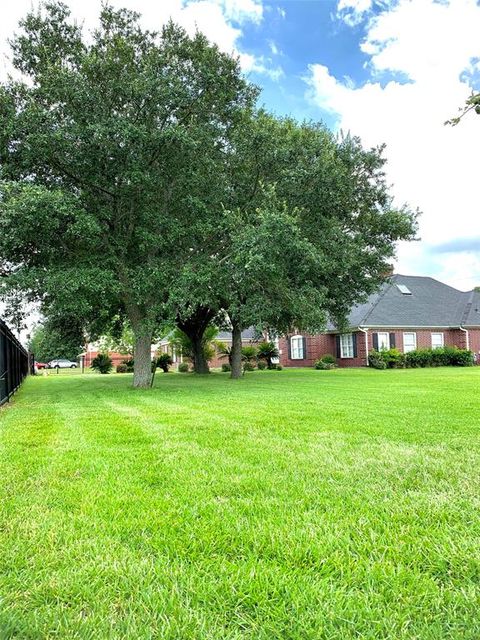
(440, 357)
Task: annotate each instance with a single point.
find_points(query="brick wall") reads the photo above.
(317, 346)
(320, 345)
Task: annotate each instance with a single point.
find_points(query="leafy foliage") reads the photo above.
(267, 351)
(102, 363)
(472, 104)
(101, 170)
(326, 363)
(164, 361)
(183, 344)
(57, 339)
(445, 356)
(183, 367)
(249, 354)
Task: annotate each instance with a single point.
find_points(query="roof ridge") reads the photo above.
(444, 284)
(375, 304)
(468, 306)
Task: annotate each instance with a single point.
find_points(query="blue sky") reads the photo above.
(390, 72)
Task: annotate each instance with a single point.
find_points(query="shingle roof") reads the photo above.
(248, 334)
(431, 304)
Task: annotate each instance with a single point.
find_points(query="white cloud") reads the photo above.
(273, 48)
(243, 10)
(259, 64)
(432, 166)
(219, 20)
(353, 11)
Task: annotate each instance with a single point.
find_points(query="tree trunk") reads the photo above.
(236, 353)
(142, 368)
(194, 327)
(200, 363)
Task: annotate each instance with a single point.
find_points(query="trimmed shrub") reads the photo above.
(325, 363)
(278, 367)
(102, 363)
(321, 365)
(262, 365)
(461, 358)
(376, 360)
(393, 358)
(122, 368)
(226, 367)
(183, 367)
(248, 366)
(164, 361)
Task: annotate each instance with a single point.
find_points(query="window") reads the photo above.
(409, 342)
(276, 343)
(437, 340)
(383, 341)
(404, 290)
(346, 345)
(296, 346)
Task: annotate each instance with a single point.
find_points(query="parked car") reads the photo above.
(61, 364)
(40, 365)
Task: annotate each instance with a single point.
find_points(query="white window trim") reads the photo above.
(299, 350)
(276, 343)
(409, 333)
(383, 333)
(437, 333)
(346, 350)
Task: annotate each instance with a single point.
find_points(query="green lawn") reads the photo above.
(293, 504)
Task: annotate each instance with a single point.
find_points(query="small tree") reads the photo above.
(164, 361)
(267, 351)
(224, 351)
(102, 363)
(249, 354)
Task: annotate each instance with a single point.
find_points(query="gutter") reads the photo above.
(365, 332)
(466, 336)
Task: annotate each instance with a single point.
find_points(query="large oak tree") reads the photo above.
(108, 153)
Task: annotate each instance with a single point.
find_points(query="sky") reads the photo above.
(390, 72)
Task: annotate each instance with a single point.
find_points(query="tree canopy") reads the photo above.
(107, 155)
(140, 182)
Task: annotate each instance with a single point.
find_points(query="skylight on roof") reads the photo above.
(403, 289)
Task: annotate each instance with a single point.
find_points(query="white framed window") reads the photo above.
(383, 341)
(346, 345)
(296, 347)
(409, 342)
(276, 343)
(437, 340)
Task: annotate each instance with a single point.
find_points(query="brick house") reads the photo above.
(408, 312)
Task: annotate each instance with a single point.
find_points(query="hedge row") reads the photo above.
(441, 357)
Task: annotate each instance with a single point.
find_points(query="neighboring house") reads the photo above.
(408, 312)
(249, 337)
(93, 349)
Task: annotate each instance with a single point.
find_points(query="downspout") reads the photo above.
(365, 332)
(466, 337)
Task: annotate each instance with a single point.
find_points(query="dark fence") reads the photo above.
(13, 363)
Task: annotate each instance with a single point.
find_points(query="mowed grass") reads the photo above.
(290, 505)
